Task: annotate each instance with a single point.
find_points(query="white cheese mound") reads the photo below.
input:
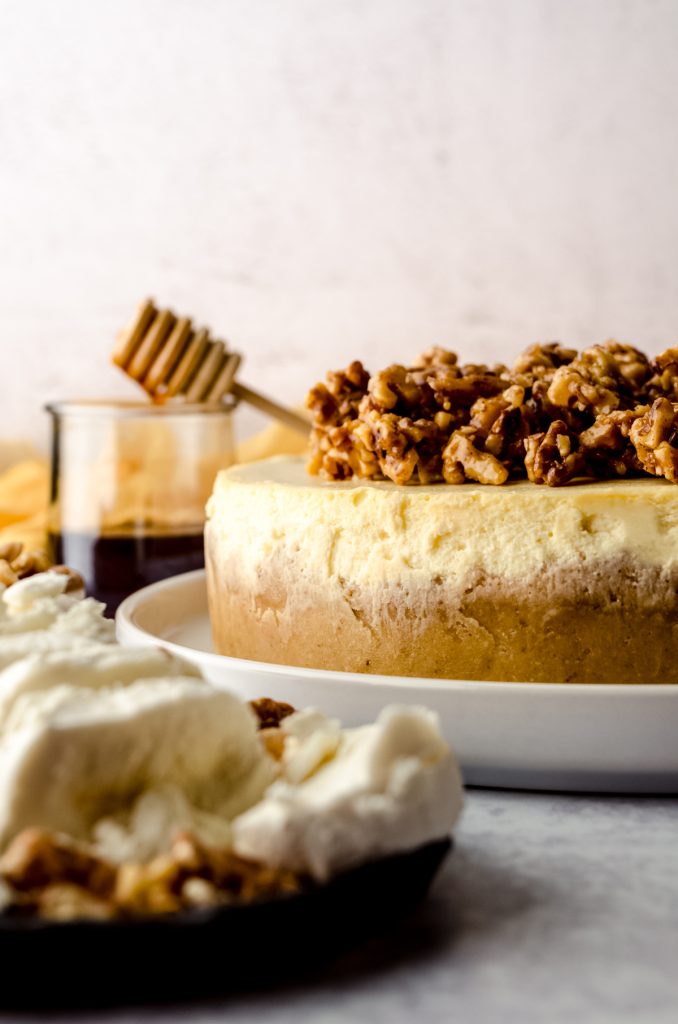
(40, 603)
(21, 645)
(123, 747)
(71, 756)
(152, 823)
(382, 788)
(94, 666)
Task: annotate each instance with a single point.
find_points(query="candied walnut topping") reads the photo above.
(552, 457)
(654, 436)
(556, 416)
(462, 460)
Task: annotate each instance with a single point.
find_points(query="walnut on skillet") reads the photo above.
(270, 714)
(193, 874)
(56, 877)
(556, 416)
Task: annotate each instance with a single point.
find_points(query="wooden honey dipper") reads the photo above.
(170, 359)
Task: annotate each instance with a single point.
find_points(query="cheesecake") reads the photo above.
(464, 522)
(520, 582)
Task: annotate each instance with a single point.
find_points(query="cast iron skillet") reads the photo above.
(205, 952)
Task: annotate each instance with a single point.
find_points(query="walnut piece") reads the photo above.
(168, 882)
(270, 712)
(63, 901)
(576, 387)
(274, 742)
(38, 857)
(654, 435)
(550, 457)
(16, 563)
(462, 460)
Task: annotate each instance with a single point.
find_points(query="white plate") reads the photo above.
(523, 735)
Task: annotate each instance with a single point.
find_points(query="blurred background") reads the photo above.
(320, 181)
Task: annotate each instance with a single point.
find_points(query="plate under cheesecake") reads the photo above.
(614, 738)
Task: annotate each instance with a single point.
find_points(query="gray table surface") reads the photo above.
(552, 908)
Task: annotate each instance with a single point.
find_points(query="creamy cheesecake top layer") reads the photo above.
(372, 531)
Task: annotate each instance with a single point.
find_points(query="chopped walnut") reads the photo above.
(270, 712)
(64, 901)
(438, 420)
(7, 574)
(462, 460)
(274, 742)
(578, 386)
(37, 857)
(654, 436)
(75, 580)
(632, 364)
(393, 387)
(435, 356)
(162, 886)
(453, 392)
(664, 380)
(341, 396)
(550, 457)
(153, 888)
(16, 563)
(538, 359)
(609, 431)
(10, 552)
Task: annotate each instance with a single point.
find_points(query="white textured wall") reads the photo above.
(321, 179)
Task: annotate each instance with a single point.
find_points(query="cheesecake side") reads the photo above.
(517, 583)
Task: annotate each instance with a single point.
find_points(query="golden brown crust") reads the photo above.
(611, 621)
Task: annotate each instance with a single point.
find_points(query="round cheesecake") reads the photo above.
(521, 582)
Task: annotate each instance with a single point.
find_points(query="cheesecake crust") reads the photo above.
(603, 623)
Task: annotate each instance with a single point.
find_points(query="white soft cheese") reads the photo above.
(152, 823)
(39, 603)
(388, 787)
(123, 747)
(95, 666)
(26, 593)
(375, 532)
(71, 756)
(22, 645)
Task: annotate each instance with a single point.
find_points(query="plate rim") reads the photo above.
(128, 629)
